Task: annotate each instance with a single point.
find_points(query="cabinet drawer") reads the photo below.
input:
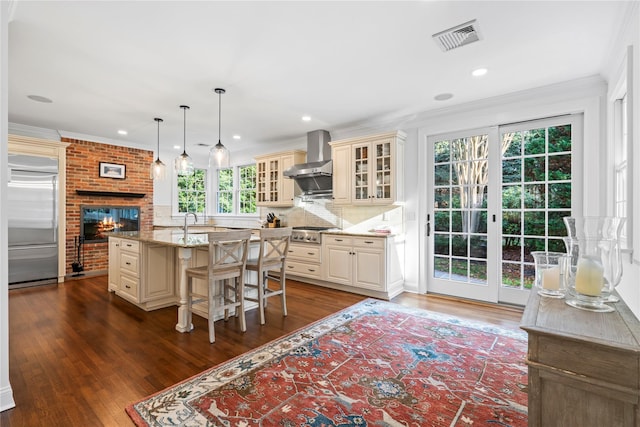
(369, 242)
(304, 252)
(303, 269)
(129, 285)
(337, 240)
(129, 263)
(130, 246)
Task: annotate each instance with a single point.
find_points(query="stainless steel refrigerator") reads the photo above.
(33, 220)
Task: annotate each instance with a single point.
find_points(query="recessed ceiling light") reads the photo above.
(39, 98)
(236, 136)
(122, 132)
(306, 118)
(177, 147)
(443, 96)
(479, 72)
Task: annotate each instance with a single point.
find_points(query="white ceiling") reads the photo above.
(118, 64)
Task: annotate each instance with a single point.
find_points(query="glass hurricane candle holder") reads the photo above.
(590, 230)
(592, 274)
(551, 271)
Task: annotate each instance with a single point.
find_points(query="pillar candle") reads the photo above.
(551, 279)
(589, 277)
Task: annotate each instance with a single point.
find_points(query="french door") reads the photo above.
(494, 195)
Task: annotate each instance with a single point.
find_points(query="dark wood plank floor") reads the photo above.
(78, 354)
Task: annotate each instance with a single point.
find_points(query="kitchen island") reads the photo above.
(148, 269)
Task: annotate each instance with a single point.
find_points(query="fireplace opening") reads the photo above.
(95, 221)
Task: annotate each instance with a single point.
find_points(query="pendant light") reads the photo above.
(219, 155)
(158, 169)
(183, 163)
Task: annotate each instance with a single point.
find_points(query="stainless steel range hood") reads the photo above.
(315, 177)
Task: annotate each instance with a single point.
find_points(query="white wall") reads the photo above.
(6, 394)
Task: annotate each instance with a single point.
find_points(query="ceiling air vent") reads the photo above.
(457, 36)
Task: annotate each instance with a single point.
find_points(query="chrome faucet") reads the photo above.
(186, 225)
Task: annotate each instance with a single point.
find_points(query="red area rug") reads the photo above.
(373, 364)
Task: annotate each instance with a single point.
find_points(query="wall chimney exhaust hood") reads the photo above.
(314, 177)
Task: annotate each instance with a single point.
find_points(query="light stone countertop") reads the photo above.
(172, 237)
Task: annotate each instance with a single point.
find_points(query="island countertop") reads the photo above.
(171, 237)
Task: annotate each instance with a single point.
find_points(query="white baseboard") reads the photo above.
(6, 399)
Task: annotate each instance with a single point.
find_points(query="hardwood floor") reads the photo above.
(78, 354)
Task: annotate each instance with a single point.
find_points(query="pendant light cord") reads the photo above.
(184, 133)
(158, 120)
(219, 115)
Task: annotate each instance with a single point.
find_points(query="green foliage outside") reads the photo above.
(192, 195)
(536, 195)
(224, 199)
(246, 190)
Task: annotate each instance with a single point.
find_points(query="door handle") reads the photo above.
(428, 229)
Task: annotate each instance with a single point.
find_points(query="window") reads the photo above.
(240, 180)
(247, 192)
(224, 199)
(192, 193)
(621, 159)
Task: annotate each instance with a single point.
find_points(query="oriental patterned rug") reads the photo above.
(373, 364)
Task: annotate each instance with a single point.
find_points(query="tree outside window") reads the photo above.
(247, 191)
(192, 193)
(240, 181)
(224, 199)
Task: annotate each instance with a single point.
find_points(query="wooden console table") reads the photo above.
(584, 367)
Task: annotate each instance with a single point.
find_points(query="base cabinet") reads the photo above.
(142, 273)
(366, 265)
(304, 260)
(584, 367)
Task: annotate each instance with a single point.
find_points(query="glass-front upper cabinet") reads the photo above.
(273, 188)
(375, 169)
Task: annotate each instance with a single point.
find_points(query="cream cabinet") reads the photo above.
(273, 188)
(369, 170)
(367, 265)
(304, 260)
(143, 273)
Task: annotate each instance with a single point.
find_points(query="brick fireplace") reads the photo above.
(85, 188)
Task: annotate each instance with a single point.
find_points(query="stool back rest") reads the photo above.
(274, 245)
(228, 249)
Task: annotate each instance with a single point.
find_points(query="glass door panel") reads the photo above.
(536, 193)
(361, 172)
(460, 177)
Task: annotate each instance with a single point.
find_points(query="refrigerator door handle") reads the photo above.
(54, 182)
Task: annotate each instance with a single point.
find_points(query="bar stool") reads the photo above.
(274, 246)
(227, 260)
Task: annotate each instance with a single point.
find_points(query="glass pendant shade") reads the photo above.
(183, 163)
(219, 154)
(158, 170)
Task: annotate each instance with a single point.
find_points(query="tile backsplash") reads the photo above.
(316, 213)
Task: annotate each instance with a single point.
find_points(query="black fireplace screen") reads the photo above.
(95, 221)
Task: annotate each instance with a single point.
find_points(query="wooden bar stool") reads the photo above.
(274, 246)
(227, 260)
